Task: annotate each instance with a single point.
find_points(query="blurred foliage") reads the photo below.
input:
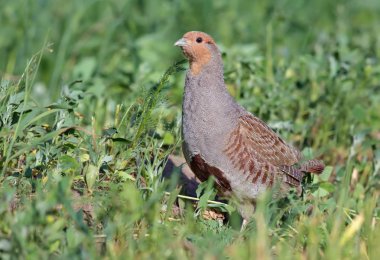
(88, 117)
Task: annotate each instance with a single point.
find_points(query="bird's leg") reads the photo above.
(244, 224)
(246, 209)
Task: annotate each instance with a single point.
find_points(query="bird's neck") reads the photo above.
(207, 64)
(202, 75)
(206, 94)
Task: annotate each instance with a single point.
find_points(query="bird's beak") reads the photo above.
(181, 42)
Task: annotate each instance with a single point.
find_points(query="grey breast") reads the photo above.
(209, 116)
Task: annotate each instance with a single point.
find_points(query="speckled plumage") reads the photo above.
(221, 138)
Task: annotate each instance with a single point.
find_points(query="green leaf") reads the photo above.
(85, 68)
(168, 138)
(68, 164)
(172, 198)
(320, 193)
(359, 112)
(90, 176)
(324, 176)
(126, 175)
(207, 187)
(327, 186)
(109, 132)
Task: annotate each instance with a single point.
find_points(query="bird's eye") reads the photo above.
(199, 39)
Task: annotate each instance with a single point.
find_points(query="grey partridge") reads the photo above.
(222, 139)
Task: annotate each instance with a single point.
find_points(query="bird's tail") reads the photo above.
(313, 166)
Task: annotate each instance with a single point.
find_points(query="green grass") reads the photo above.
(90, 107)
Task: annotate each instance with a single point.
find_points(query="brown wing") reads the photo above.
(256, 149)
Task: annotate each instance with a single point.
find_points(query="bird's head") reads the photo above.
(199, 48)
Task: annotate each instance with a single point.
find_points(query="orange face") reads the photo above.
(196, 47)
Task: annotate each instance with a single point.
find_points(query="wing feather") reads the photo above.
(256, 150)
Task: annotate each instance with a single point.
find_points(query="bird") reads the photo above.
(222, 139)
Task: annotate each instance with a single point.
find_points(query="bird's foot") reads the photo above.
(243, 225)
